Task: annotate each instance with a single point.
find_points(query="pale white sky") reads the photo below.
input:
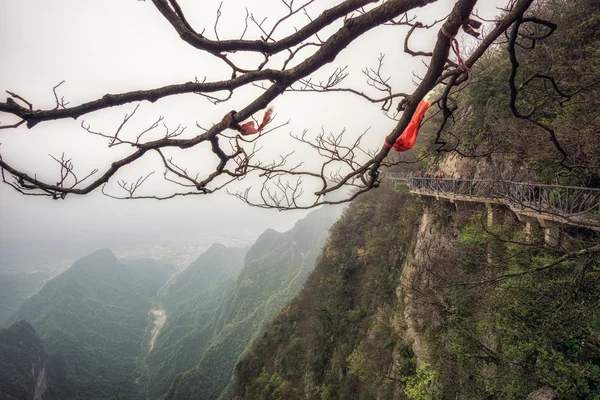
(115, 46)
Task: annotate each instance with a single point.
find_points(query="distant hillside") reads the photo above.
(193, 304)
(92, 320)
(22, 364)
(274, 270)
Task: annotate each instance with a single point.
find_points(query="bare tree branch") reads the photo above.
(344, 163)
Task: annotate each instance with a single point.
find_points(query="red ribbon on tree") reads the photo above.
(455, 49)
(407, 140)
(250, 128)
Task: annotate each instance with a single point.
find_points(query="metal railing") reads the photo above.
(563, 200)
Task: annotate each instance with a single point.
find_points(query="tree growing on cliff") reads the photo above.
(287, 64)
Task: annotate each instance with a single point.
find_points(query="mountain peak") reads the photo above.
(21, 327)
(268, 234)
(102, 253)
(99, 257)
(217, 246)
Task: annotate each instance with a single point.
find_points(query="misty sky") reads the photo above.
(114, 46)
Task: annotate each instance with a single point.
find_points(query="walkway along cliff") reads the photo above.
(552, 207)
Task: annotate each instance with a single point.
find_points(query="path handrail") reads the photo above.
(566, 200)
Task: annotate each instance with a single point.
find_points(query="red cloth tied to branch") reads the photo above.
(249, 128)
(407, 140)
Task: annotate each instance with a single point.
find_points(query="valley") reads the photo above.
(159, 317)
(145, 326)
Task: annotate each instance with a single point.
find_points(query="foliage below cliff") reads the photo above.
(504, 313)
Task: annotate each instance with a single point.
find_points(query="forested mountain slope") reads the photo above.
(306, 349)
(192, 303)
(415, 300)
(23, 371)
(544, 127)
(92, 320)
(275, 269)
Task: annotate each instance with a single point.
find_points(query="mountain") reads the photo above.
(347, 303)
(122, 329)
(92, 320)
(226, 321)
(22, 364)
(416, 299)
(192, 303)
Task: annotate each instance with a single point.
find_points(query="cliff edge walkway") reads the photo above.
(568, 205)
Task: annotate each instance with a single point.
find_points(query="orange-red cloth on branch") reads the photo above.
(407, 140)
(249, 128)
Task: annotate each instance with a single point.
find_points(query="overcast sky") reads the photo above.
(114, 46)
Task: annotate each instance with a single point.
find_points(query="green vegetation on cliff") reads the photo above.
(557, 80)
(510, 317)
(433, 306)
(338, 338)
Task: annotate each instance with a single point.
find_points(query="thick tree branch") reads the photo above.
(337, 157)
(185, 31)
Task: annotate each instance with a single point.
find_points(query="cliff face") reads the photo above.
(422, 299)
(22, 364)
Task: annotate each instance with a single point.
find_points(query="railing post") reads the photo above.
(522, 196)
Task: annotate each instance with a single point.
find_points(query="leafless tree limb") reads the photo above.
(60, 103)
(344, 164)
